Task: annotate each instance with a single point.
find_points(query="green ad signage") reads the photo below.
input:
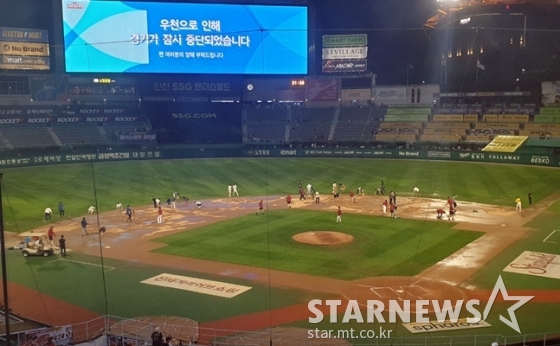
(359, 40)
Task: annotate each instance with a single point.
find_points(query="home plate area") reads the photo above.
(385, 289)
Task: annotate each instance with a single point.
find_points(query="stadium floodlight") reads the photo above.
(465, 20)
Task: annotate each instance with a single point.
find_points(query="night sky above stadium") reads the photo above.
(398, 43)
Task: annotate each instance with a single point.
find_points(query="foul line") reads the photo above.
(107, 268)
(546, 239)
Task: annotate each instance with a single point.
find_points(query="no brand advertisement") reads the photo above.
(25, 49)
(409, 153)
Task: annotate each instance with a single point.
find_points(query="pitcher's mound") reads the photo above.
(323, 238)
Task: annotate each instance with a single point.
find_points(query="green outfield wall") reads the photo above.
(167, 154)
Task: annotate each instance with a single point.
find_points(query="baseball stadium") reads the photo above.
(181, 173)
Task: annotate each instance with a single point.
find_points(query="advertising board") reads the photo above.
(323, 89)
(359, 40)
(193, 38)
(24, 49)
(389, 94)
(345, 53)
(332, 65)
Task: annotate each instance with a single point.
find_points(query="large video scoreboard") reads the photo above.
(150, 37)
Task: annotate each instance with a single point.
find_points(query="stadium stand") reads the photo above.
(79, 134)
(311, 124)
(26, 136)
(395, 137)
(266, 125)
(542, 131)
(357, 124)
(113, 129)
(4, 142)
(406, 114)
(548, 115)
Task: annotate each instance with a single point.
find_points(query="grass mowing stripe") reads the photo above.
(80, 284)
(377, 249)
(34, 188)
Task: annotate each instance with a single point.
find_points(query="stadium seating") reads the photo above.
(478, 139)
(25, 136)
(311, 124)
(395, 137)
(357, 124)
(266, 125)
(441, 138)
(448, 126)
(113, 129)
(79, 134)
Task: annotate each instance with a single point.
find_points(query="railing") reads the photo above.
(284, 336)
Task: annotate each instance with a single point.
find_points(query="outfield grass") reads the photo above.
(382, 246)
(27, 191)
(81, 283)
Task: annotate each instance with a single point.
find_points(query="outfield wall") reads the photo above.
(466, 156)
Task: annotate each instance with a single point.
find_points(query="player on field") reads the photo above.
(260, 211)
(129, 213)
(415, 191)
(339, 215)
(440, 213)
(451, 216)
(289, 201)
(517, 204)
(392, 198)
(384, 206)
(450, 201)
(301, 194)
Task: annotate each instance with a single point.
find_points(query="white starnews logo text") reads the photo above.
(448, 311)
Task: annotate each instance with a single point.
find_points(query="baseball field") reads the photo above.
(258, 271)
